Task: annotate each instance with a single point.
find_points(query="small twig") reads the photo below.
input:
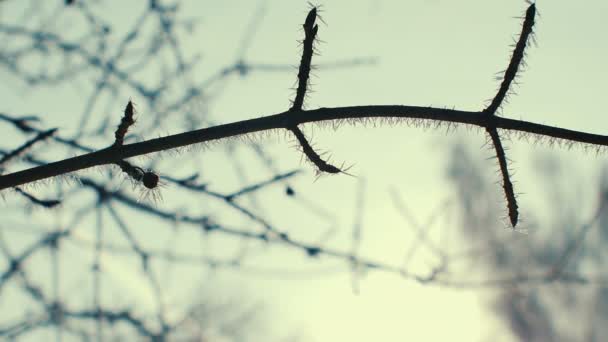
(310, 32)
(422, 230)
(356, 235)
(516, 61)
(506, 181)
(126, 122)
(321, 164)
(263, 184)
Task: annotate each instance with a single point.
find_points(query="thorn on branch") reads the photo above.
(321, 165)
(21, 123)
(257, 186)
(310, 32)
(188, 182)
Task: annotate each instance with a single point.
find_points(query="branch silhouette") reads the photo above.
(203, 211)
(296, 115)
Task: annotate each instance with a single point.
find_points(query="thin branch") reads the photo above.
(286, 120)
(126, 122)
(26, 146)
(506, 181)
(263, 184)
(558, 267)
(21, 123)
(310, 32)
(516, 61)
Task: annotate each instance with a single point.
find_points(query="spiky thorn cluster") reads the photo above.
(148, 178)
(509, 76)
(310, 33)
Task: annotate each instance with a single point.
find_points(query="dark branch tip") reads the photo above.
(531, 12)
(127, 121)
(310, 19)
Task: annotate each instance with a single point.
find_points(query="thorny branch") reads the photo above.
(287, 120)
(118, 153)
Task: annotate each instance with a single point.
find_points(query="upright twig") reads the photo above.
(26, 146)
(127, 121)
(516, 61)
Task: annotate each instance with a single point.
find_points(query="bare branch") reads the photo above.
(516, 61)
(321, 164)
(126, 122)
(287, 120)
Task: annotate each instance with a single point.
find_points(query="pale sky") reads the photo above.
(428, 53)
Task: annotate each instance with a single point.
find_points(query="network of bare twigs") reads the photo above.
(116, 60)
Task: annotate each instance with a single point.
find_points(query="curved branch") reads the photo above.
(286, 120)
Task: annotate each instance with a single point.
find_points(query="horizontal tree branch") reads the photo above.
(286, 120)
